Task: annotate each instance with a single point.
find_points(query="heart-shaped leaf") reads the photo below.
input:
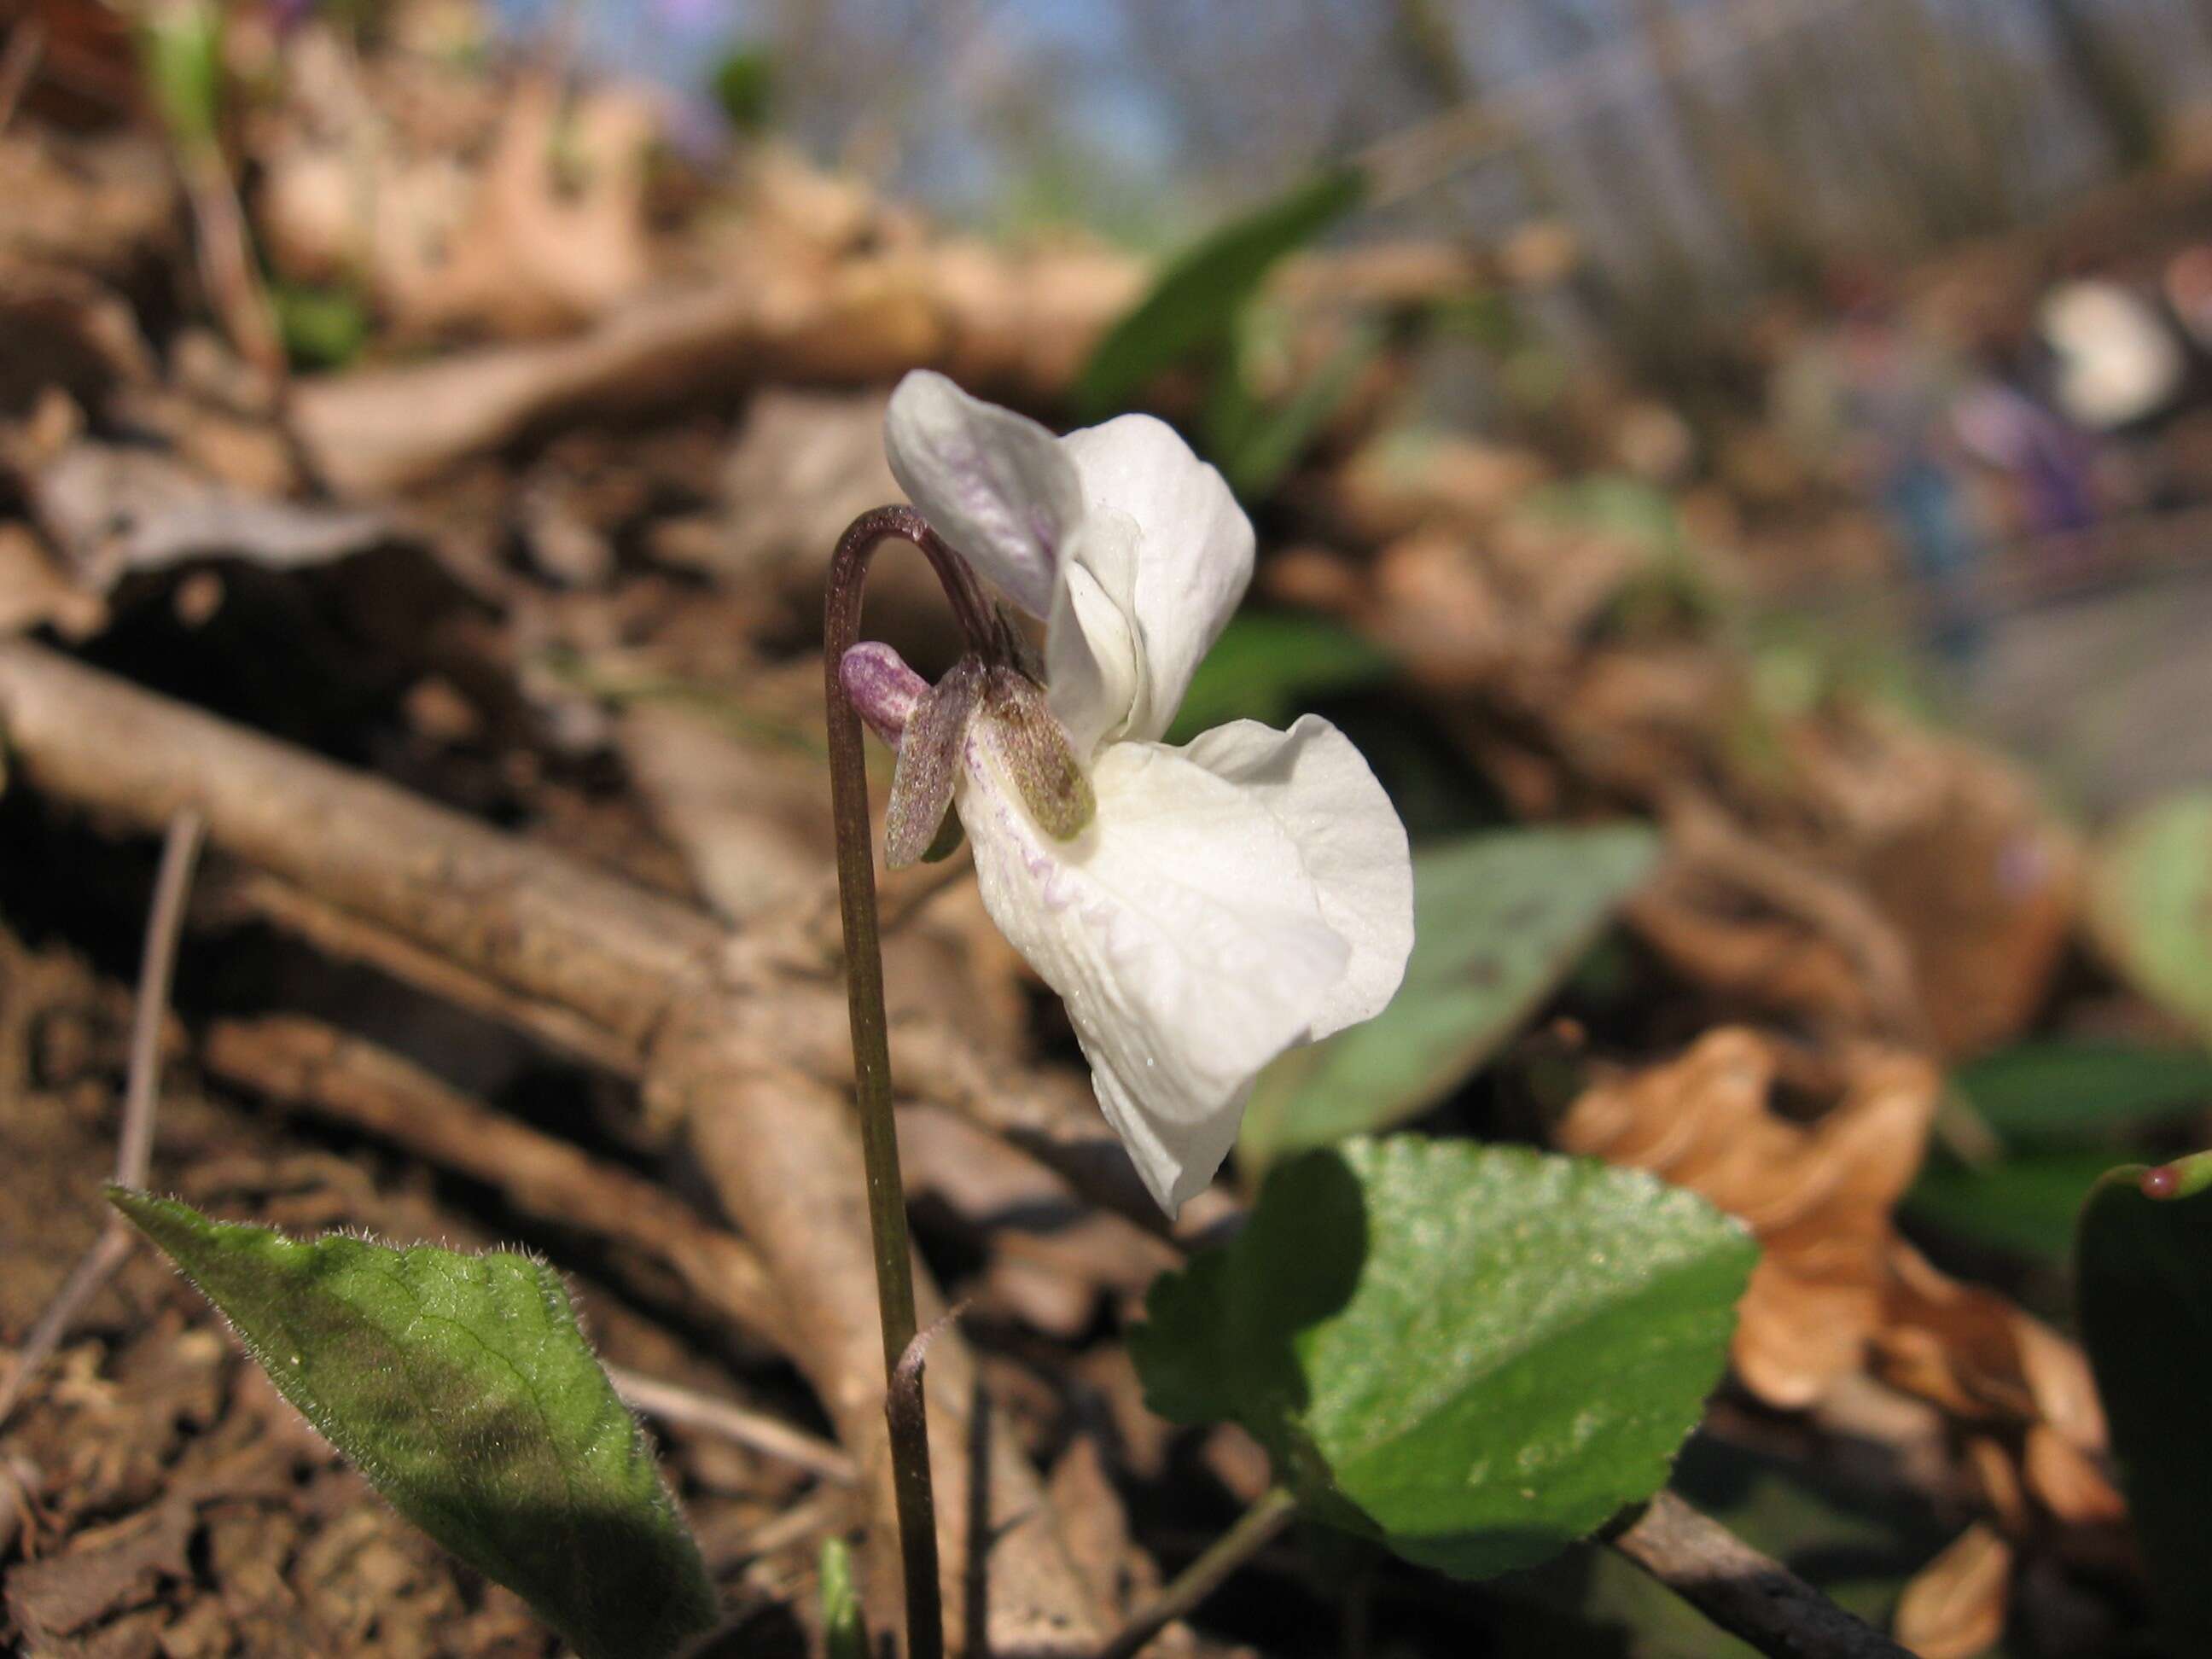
(2143, 1282)
(1476, 1354)
(2150, 903)
(463, 1389)
(1499, 919)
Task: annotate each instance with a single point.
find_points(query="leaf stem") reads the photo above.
(871, 1066)
(1256, 1528)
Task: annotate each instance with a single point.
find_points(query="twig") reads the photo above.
(1749, 1594)
(535, 924)
(94, 1269)
(673, 1403)
(1256, 1528)
(141, 1096)
(173, 884)
(339, 933)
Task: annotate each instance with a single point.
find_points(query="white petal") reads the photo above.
(1187, 568)
(1181, 931)
(1093, 665)
(1319, 789)
(994, 484)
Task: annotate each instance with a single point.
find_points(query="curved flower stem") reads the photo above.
(871, 1065)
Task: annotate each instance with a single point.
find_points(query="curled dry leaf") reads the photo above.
(1955, 1606)
(1818, 1197)
(1983, 884)
(1837, 1291)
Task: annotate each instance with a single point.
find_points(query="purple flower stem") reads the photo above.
(871, 1065)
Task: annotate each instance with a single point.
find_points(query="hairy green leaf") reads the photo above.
(463, 1389)
(2143, 1280)
(1499, 920)
(1475, 1354)
(2150, 903)
(1193, 305)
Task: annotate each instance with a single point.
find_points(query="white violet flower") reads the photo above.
(1199, 909)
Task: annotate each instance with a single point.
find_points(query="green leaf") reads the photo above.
(1473, 1354)
(2073, 1089)
(1193, 305)
(745, 86)
(2143, 1278)
(1269, 665)
(463, 1389)
(2150, 903)
(1267, 440)
(180, 53)
(2027, 1203)
(844, 1629)
(321, 327)
(1499, 920)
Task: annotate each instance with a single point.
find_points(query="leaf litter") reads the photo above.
(622, 473)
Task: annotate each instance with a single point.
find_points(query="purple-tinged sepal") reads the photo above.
(1036, 749)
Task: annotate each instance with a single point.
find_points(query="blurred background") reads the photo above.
(1741, 471)
(1908, 303)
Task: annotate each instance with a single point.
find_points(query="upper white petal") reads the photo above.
(1185, 571)
(1094, 669)
(1181, 930)
(1320, 790)
(995, 485)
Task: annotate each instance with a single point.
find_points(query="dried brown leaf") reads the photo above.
(1955, 1606)
(104, 1570)
(1819, 1198)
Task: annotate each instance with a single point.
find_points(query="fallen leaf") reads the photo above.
(104, 1572)
(1954, 1608)
(1818, 1197)
(1837, 1293)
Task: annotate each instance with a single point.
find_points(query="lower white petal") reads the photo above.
(1183, 931)
(1319, 788)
